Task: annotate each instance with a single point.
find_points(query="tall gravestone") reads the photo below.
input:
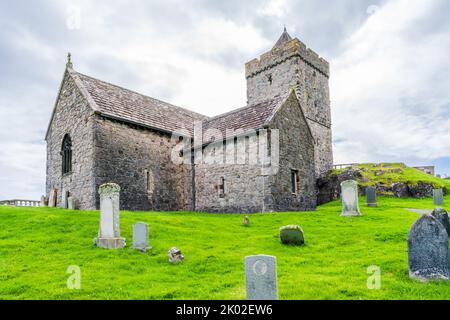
(261, 277)
(109, 233)
(52, 198)
(349, 197)
(438, 197)
(140, 237)
(371, 197)
(64, 196)
(71, 203)
(428, 256)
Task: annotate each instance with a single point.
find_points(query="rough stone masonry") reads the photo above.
(100, 133)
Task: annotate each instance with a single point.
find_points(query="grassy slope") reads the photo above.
(387, 176)
(38, 244)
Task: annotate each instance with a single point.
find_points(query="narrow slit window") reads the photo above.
(295, 181)
(149, 181)
(222, 187)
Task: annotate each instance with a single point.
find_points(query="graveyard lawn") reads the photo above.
(39, 244)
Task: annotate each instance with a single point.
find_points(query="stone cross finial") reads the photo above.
(69, 61)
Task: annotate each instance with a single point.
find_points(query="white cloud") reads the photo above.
(384, 88)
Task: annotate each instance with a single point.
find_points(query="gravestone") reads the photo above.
(52, 198)
(442, 216)
(109, 233)
(140, 236)
(175, 255)
(261, 277)
(63, 199)
(349, 196)
(292, 235)
(438, 197)
(71, 203)
(428, 256)
(371, 197)
(43, 202)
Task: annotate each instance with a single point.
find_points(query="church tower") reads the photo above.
(291, 65)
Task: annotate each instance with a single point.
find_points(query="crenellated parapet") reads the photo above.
(291, 49)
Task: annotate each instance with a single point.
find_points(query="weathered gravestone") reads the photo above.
(109, 233)
(261, 277)
(175, 255)
(52, 198)
(71, 203)
(442, 216)
(292, 235)
(64, 196)
(438, 197)
(371, 197)
(140, 236)
(43, 202)
(349, 196)
(428, 256)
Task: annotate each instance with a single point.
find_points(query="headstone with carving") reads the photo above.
(428, 256)
(109, 233)
(349, 196)
(438, 197)
(140, 236)
(261, 277)
(371, 197)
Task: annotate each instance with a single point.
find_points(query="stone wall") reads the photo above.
(293, 66)
(296, 153)
(248, 188)
(129, 155)
(72, 116)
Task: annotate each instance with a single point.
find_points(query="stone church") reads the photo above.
(101, 133)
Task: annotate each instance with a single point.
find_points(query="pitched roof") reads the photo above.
(248, 118)
(285, 37)
(123, 104)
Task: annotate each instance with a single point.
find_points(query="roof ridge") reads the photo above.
(141, 94)
(243, 108)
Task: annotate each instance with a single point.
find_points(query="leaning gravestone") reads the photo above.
(261, 277)
(371, 197)
(438, 197)
(52, 198)
(109, 233)
(428, 256)
(442, 216)
(43, 202)
(349, 196)
(64, 196)
(140, 237)
(292, 235)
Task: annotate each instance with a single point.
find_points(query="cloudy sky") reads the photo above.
(389, 59)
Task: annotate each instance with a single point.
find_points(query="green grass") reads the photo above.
(388, 173)
(38, 244)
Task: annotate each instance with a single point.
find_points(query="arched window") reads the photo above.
(66, 153)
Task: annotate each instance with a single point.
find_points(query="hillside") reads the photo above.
(389, 179)
(388, 173)
(39, 244)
